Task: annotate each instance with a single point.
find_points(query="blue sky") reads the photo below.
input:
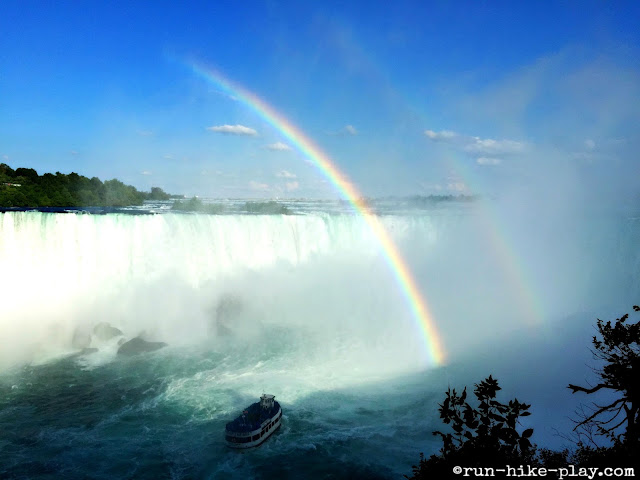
(406, 98)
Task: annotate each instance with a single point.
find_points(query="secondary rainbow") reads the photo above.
(398, 266)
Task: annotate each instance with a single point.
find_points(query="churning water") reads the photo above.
(302, 306)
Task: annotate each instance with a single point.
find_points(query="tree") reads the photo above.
(482, 436)
(6, 170)
(27, 173)
(619, 348)
(158, 194)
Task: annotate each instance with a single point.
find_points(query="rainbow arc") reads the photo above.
(338, 179)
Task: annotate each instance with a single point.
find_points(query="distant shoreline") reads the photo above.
(81, 210)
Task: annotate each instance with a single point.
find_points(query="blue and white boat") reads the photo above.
(255, 425)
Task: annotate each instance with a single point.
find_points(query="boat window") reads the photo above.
(232, 439)
(255, 437)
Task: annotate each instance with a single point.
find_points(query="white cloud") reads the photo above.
(589, 144)
(74, 152)
(146, 172)
(285, 174)
(350, 129)
(253, 185)
(346, 130)
(292, 186)
(278, 146)
(5, 157)
(233, 130)
(145, 133)
(488, 161)
(443, 135)
(168, 156)
(477, 145)
(495, 147)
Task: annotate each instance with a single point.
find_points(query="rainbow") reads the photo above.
(321, 160)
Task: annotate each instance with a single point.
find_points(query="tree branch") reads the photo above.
(576, 388)
(598, 412)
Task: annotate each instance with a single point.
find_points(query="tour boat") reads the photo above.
(255, 425)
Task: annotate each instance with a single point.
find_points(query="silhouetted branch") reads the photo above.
(576, 388)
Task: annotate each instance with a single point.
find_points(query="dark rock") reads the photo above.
(229, 308)
(138, 345)
(104, 331)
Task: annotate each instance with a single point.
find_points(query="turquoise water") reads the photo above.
(162, 415)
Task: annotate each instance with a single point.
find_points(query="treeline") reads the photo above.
(420, 200)
(23, 187)
(257, 208)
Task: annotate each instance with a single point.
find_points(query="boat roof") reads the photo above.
(253, 418)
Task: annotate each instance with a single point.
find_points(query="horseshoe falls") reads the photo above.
(301, 306)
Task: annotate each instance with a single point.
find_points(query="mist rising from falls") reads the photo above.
(320, 281)
(168, 275)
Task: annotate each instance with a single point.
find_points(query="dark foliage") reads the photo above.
(23, 187)
(196, 205)
(266, 208)
(618, 346)
(486, 435)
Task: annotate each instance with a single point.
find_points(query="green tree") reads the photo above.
(194, 204)
(27, 173)
(158, 194)
(120, 195)
(6, 170)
